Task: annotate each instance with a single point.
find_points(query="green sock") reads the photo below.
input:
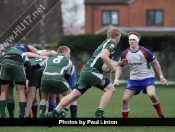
(63, 113)
(99, 112)
(2, 108)
(55, 113)
(11, 107)
(22, 106)
(42, 109)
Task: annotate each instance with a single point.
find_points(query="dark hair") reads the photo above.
(135, 33)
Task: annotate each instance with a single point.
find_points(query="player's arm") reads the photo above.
(117, 75)
(27, 65)
(159, 71)
(39, 65)
(105, 57)
(28, 70)
(119, 68)
(33, 55)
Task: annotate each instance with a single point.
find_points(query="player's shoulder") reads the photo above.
(143, 48)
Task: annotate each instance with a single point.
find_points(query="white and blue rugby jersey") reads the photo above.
(139, 63)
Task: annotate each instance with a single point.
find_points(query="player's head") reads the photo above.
(134, 35)
(64, 50)
(114, 33)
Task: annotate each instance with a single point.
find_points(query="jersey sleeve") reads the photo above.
(71, 68)
(24, 57)
(123, 55)
(148, 54)
(43, 63)
(110, 46)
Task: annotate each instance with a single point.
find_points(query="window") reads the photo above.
(110, 17)
(154, 17)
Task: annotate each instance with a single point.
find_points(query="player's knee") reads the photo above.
(152, 95)
(75, 94)
(110, 90)
(125, 100)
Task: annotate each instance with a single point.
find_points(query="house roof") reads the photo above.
(108, 1)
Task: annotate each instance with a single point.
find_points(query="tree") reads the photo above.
(47, 30)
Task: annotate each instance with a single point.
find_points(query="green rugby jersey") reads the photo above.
(58, 63)
(14, 51)
(35, 61)
(95, 60)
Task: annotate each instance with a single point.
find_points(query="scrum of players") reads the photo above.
(20, 68)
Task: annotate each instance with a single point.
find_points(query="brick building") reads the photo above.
(143, 16)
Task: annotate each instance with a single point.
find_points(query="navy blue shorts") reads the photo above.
(140, 85)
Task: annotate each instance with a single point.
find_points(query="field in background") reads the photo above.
(140, 107)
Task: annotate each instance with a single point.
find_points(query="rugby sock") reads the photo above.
(55, 112)
(2, 108)
(125, 113)
(99, 113)
(10, 107)
(158, 108)
(52, 105)
(35, 109)
(73, 110)
(22, 106)
(63, 113)
(42, 109)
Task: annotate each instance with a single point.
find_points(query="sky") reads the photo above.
(73, 12)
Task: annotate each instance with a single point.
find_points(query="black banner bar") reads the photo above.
(87, 122)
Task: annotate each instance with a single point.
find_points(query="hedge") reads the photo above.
(89, 42)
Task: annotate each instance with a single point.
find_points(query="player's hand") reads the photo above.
(115, 82)
(125, 61)
(113, 70)
(163, 80)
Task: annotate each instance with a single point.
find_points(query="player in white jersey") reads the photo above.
(141, 74)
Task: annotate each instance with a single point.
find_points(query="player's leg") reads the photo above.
(5, 78)
(10, 101)
(74, 109)
(22, 98)
(69, 96)
(3, 95)
(107, 94)
(43, 104)
(30, 98)
(52, 102)
(35, 107)
(63, 109)
(128, 94)
(155, 101)
(58, 98)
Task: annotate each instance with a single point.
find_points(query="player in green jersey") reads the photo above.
(91, 75)
(58, 69)
(33, 84)
(12, 69)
